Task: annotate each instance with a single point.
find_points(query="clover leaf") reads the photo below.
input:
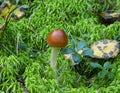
(67, 51)
(87, 52)
(95, 65)
(81, 44)
(76, 58)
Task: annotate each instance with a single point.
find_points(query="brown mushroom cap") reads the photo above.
(57, 38)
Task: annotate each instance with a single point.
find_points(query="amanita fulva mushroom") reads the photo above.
(57, 39)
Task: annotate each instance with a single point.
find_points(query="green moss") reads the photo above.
(76, 18)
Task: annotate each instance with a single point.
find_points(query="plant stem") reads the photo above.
(53, 59)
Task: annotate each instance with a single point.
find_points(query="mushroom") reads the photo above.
(57, 39)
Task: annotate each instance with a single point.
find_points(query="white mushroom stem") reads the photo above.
(53, 59)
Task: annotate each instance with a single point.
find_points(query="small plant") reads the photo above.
(79, 54)
(78, 51)
(85, 65)
(105, 70)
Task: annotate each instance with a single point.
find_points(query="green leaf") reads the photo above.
(22, 46)
(67, 51)
(111, 75)
(95, 65)
(76, 58)
(87, 52)
(81, 45)
(107, 65)
(102, 74)
(19, 12)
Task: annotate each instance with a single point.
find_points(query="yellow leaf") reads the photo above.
(6, 8)
(18, 14)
